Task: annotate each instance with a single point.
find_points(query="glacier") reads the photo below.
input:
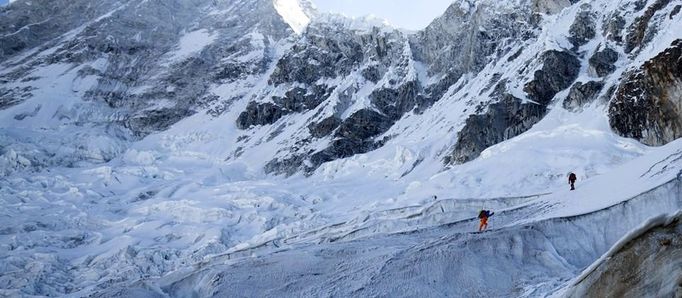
(261, 148)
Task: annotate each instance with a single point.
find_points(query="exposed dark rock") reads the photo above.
(296, 100)
(646, 106)
(614, 26)
(321, 57)
(608, 94)
(583, 29)
(372, 74)
(131, 76)
(187, 88)
(324, 127)
(14, 96)
(217, 107)
(509, 117)
(259, 114)
(156, 120)
(435, 92)
(287, 166)
(394, 103)
(236, 69)
(503, 120)
(332, 50)
(551, 6)
(559, 70)
(279, 130)
(299, 99)
(26, 25)
(465, 40)
(364, 124)
(232, 71)
(602, 62)
(582, 94)
(675, 11)
(639, 27)
(516, 54)
(354, 136)
(340, 148)
(648, 265)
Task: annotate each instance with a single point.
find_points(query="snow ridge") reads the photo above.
(293, 13)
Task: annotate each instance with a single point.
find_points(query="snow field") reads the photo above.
(545, 256)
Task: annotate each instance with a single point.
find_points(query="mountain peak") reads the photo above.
(296, 13)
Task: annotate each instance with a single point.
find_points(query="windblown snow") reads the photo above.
(192, 43)
(293, 14)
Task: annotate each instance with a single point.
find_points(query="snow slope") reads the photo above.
(293, 14)
(543, 247)
(103, 233)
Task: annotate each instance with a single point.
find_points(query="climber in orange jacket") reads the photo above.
(483, 216)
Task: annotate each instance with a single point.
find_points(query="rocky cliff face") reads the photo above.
(648, 104)
(407, 74)
(649, 264)
(25, 25)
(125, 69)
(132, 37)
(320, 78)
(307, 95)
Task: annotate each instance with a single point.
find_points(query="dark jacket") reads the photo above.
(485, 214)
(572, 177)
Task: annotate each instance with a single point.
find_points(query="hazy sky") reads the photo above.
(408, 14)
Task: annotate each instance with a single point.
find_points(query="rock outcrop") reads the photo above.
(559, 70)
(582, 94)
(503, 120)
(509, 116)
(26, 24)
(648, 265)
(336, 87)
(583, 28)
(642, 27)
(648, 104)
(325, 127)
(469, 34)
(602, 62)
(123, 51)
(296, 100)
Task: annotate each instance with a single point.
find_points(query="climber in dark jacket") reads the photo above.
(571, 180)
(483, 216)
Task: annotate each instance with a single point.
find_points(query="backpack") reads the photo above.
(482, 214)
(572, 177)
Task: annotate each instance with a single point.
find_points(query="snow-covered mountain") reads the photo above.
(214, 147)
